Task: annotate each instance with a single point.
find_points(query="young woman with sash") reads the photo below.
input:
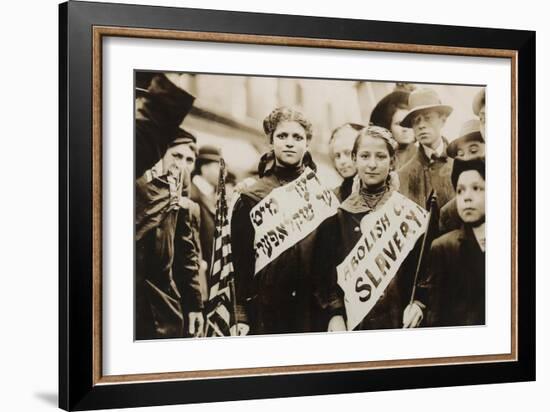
(367, 252)
(281, 296)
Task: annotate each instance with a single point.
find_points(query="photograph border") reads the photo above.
(82, 28)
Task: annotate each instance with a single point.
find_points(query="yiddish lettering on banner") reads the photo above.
(288, 214)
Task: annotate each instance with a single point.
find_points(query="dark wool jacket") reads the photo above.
(456, 280)
(207, 221)
(345, 188)
(420, 175)
(449, 219)
(167, 263)
(282, 297)
(403, 154)
(338, 235)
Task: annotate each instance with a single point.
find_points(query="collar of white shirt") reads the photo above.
(438, 151)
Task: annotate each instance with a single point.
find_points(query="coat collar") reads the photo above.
(262, 187)
(355, 202)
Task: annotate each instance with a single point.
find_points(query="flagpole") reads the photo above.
(432, 200)
(233, 305)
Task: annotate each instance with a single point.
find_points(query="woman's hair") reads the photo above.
(354, 126)
(278, 115)
(376, 132)
(286, 114)
(382, 114)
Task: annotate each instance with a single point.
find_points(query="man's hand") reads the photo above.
(242, 329)
(196, 324)
(337, 324)
(412, 315)
(186, 203)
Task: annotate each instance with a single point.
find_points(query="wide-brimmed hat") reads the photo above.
(421, 100)
(470, 132)
(478, 102)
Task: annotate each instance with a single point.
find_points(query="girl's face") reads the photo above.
(470, 150)
(403, 135)
(470, 196)
(341, 147)
(289, 143)
(373, 161)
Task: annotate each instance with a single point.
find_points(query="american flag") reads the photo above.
(220, 309)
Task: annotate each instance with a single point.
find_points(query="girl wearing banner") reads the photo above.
(367, 252)
(278, 296)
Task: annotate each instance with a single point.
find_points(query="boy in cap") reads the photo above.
(469, 145)
(430, 168)
(455, 285)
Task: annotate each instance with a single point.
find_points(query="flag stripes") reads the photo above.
(220, 306)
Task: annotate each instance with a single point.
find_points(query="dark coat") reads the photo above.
(345, 188)
(449, 219)
(207, 227)
(280, 298)
(456, 280)
(208, 212)
(338, 235)
(420, 175)
(166, 263)
(404, 154)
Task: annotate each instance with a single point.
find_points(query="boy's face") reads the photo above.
(470, 196)
(470, 150)
(427, 125)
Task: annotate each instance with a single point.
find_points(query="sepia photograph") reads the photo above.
(289, 205)
(260, 205)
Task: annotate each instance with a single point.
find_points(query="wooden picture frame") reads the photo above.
(82, 28)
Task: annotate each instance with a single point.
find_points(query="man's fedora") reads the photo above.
(470, 132)
(424, 99)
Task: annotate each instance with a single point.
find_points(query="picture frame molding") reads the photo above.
(82, 29)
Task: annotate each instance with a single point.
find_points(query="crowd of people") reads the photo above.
(398, 164)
